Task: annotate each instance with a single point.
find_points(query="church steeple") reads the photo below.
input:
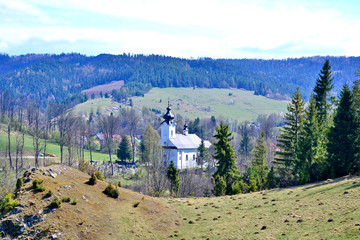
(168, 117)
(186, 130)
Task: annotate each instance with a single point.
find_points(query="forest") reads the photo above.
(45, 77)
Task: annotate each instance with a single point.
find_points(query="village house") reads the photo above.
(180, 148)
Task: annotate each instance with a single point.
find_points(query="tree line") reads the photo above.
(319, 140)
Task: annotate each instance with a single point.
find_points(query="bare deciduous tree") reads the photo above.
(108, 125)
(131, 122)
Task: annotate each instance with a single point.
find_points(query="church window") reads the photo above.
(172, 132)
(187, 158)
(194, 157)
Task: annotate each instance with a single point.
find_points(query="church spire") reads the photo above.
(168, 117)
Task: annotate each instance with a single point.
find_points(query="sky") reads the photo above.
(188, 28)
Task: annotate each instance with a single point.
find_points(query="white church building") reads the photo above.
(181, 148)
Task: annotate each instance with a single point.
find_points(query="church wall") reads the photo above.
(182, 162)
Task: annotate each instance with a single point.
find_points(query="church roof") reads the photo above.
(189, 141)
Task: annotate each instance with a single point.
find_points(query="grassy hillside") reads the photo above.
(234, 104)
(324, 210)
(101, 104)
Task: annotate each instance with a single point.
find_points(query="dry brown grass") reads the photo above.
(324, 210)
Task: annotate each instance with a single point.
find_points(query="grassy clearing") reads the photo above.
(241, 105)
(105, 105)
(234, 104)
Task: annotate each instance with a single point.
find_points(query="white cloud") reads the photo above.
(263, 25)
(3, 44)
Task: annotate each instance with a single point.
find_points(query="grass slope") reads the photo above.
(241, 105)
(324, 210)
(201, 102)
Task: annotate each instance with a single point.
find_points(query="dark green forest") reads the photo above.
(62, 77)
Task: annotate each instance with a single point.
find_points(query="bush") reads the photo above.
(19, 183)
(111, 191)
(74, 202)
(8, 203)
(220, 187)
(65, 199)
(100, 175)
(38, 185)
(93, 179)
(55, 203)
(49, 194)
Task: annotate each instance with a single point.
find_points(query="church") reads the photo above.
(180, 148)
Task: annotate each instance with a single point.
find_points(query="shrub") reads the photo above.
(100, 175)
(55, 203)
(119, 184)
(111, 191)
(38, 185)
(74, 202)
(19, 183)
(93, 179)
(8, 203)
(220, 187)
(66, 199)
(49, 194)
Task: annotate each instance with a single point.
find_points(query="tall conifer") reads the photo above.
(341, 145)
(225, 156)
(290, 133)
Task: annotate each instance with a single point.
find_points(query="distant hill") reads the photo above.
(322, 210)
(59, 77)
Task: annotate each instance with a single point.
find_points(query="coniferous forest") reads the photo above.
(61, 78)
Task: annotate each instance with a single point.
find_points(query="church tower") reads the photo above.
(168, 127)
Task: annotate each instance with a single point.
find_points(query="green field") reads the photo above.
(103, 104)
(232, 104)
(51, 148)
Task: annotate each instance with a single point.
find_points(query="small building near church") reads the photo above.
(181, 148)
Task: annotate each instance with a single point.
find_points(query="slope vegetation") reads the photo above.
(324, 210)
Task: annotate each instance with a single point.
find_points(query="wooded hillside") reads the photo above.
(60, 77)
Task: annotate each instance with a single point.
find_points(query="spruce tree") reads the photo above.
(341, 145)
(245, 144)
(290, 133)
(203, 154)
(225, 156)
(322, 93)
(124, 152)
(259, 161)
(173, 176)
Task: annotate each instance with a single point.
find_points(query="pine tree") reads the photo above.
(310, 162)
(203, 154)
(124, 152)
(245, 144)
(173, 176)
(290, 133)
(225, 156)
(356, 106)
(341, 145)
(322, 93)
(259, 161)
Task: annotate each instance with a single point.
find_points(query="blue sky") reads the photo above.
(187, 28)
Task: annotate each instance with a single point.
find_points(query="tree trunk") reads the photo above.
(9, 144)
